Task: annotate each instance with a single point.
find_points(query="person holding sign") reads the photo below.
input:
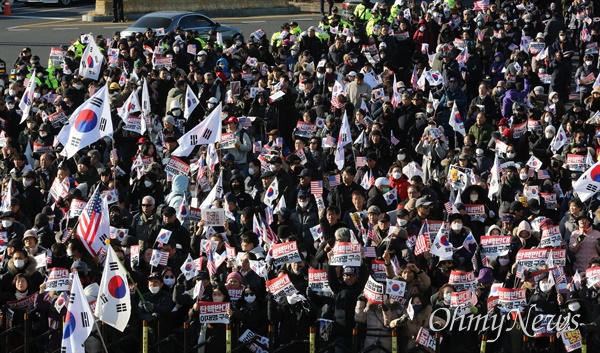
(412, 323)
(241, 146)
(215, 330)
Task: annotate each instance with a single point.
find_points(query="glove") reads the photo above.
(362, 298)
(149, 307)
(580, 238)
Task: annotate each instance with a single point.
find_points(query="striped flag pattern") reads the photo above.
(423, 240)
(334, 180)
(316, 187)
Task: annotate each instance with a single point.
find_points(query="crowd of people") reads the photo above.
(465, 131)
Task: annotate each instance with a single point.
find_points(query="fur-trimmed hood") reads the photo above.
(28, 270)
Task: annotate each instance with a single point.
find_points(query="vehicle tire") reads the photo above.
(65, 2)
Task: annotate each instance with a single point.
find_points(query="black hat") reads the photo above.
(154, 276)
(516, 206)
(304, 173)
(16, 243)
(454, 216)
(267, 174)
(168, 211)
(372, 155)
(7, 214)
(29, 174)
(303, 194)
(129, 240)
(202, 275)
(384, 217)
(85, 160)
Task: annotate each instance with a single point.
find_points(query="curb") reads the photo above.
(289, 10)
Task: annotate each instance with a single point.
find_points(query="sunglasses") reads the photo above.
(169, 277)
(248, 294)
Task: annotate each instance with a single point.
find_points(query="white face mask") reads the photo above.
(555, 100)
(69, 252)
(421, 29)
(169, 282)
(456, 226)
(356, 40)
(588, 63)
(251, 171)
(401, 156)
(429, 111)
(396, 175)
(479, 152)
(303, 204)
(36, 95)
(272, 168)
(19, 263)
(27, 183)
(176, 112)
(217, 298)
(293, 52)
(510, 155)
(30, 125)
(402, 222)
(329, 70)
(153, 290)
(78, 86)
(320, 76)
(545, 287)
(10, 106)
(549, 135)
(548, 119)
(147, 183)
(6, 223)
(473, 197)
(210, 105)
(447, 297)
(504, 262)
(574, 306)
(12, 92)
(523, 176)
(250, 298)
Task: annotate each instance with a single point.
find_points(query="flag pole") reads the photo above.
(101, 338)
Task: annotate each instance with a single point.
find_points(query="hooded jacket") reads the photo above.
(29, 270)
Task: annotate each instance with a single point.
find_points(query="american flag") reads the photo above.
(394, 140)
(159, 258)
(423, 241)
(371, 235)
(369, 251)
(89, 222)
(371, 179)
(360, 161)
(330, 141)
(577, 280)
(585, 34)
(113, 154)
(198, 264)
(470, 239)
(414, 78)
(334, 180)
(448, 207)
(482, 5)
(543, 174)
(316, 187)
(210, 263)
(257, 146)
(48, 257)
(269, 234)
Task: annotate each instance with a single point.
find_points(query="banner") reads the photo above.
(176, 166)
(426, 339)
(572, 340)
(285, 253)
(25, 304)
(551, 237)
(592, 276)
(213, 217)
(58, 280)
(374, 291)
(306, 130)
(461, 301)
(213, 312)
(57, 120)
(532, 259)
(227, 140)
(346, 254)
(318, 281)
(476, 212)
(235, 292)
(281, 287)
(512, 298)
(57, 57)
(495, 245)
(76, 208)
(462, 281)
(576, 162)
(378, 270)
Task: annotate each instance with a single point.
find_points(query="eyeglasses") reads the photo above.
(147, 205)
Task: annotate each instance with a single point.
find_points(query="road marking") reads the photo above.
(257, 17)
(38, 18)
(116, 27)
(17, 29)
(253, 21)
(304, 19)
(46, 24)
(64, 28)
(52, 10)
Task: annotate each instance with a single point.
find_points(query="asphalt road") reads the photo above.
(41, 27)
